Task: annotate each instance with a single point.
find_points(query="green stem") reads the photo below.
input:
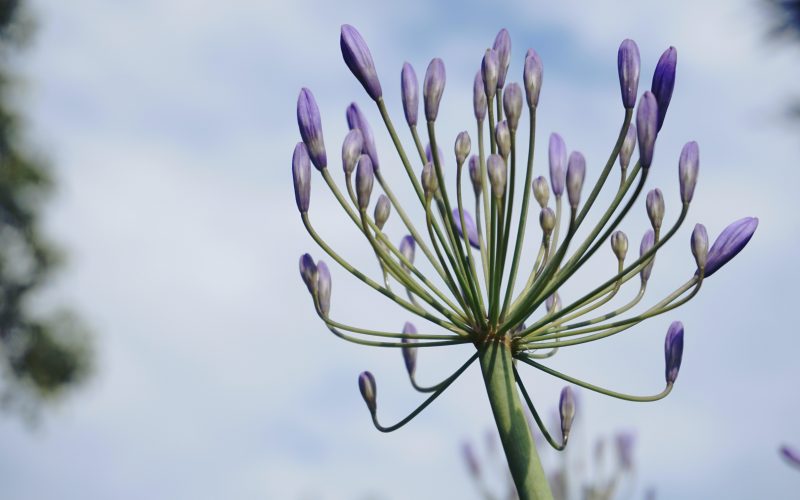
(515, 434)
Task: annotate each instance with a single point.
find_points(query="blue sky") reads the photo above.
(170, 126)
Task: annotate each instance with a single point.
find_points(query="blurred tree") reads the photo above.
(786, 24)
(41, 354)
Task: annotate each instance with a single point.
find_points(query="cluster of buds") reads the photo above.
(471, 294)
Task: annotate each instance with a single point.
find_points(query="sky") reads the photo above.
(170, 125)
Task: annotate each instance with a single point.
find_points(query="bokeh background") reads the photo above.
(169, 127)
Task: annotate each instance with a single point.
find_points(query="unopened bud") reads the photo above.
(503, 137)
(490, 69)
(475, 174)
(541, 191)
(547, 219)
(502, 45)
(323, 288)
(479, 98)
(301, 175)
(532, 77)
(433, 88)
(308, 272)
(358, 58)
(619, 244)
(430, 184)
(688, 167)
(366, 384)
(673, 351)
(462, 147)
(365, 178)
(553, 303)
(352, 147)
(648, 240)
(628, 145)
(310, 125)
(566, 409)
(496, 167)
(382, 210)
(576, 173)
(409, 91)
(699, 243)
(558, 163)
(512, 104)
(655, 208)
(409, 351)
(407, 248)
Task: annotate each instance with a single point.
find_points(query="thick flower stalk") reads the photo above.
(467, 275)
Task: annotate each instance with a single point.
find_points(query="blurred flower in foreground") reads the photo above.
(791, 455)
(471, 293)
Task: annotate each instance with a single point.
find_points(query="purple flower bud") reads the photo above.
(473, 465)
(699, 243)
(502, 45)
(357, 120)
(358, 58)
(647, 128)
(791, 455)
(673, 351)
(628, 67)
(410, 94)
(628, 145)
(512, 104)
(503, 137)
(352, 148)
(566, 409)
(496, 167)
(655, 208)
(732, 240)
(558, 161)
(472, 231)
(310, 125)
(433, 88)
(478, 98)
(366, 384)
(475, 174)
(462, 147)
(409, 351)
(365, 178)
(430, 184)
(323, 288)
(619, 244)
(541, 191)
(688, 167)
(532, 77)
(648, 240)
(407, 248)
(439, 155)
(547, 219)
(383, 208)
(490, 69)
(308, 271)
(664, 82)
(301, 174)
(553, 303)
(625, 442)
(576, 173)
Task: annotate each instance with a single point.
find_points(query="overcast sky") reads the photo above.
(170, 126)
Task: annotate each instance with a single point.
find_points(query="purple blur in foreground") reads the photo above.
(310, 125)
(791, 455)
(625, 442)
(664, 82)
(472, 231)
(729, 243)
(358, 58)
(673, 351)
(628, 68)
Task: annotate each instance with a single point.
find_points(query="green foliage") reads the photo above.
(42, 353)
